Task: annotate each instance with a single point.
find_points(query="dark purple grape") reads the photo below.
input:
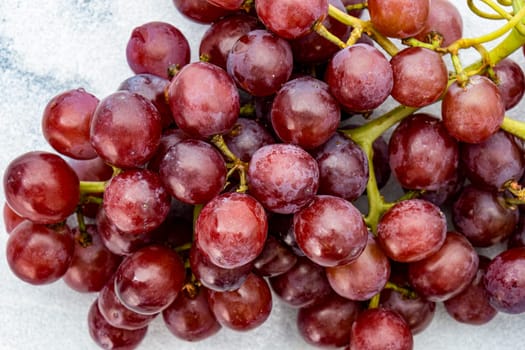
(283, 177)
(517, 238)
(116, 313)
(505, 281)
(118, 242)
(291, 19)
(66, 121)
(447, 272)
(231, 229)
(41, 187)
(328, 323)
(399, 19)
(126, 129)
(330, 231)
(481, 217)
(412, 230)
(38, 254)
(246, 137)
(203, 100)
(494, 161)
(275, 259)
(108, 337)
(149, 280)
(136, 201)
(190, 318)
(245, 308)
(92, 265)
(305, 113)
(422, 154)
(371, 80)
(200, 11)
(443, 18)
(343, 168)
(474, 112)
(220, 37)
(153, 88)
(193, 171)
(380, 329)
(511, 82)
(304, 285)
(260, 62)
(472, 305)
(214, 277)
(155, 47)
(417, 312)
(420, 76)
(281, 226)
(364, 277)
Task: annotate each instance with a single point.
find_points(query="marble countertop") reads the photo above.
(54, 45)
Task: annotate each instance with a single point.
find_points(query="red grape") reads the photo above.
(380, 329)
(260, 62)
(153, 88)
(38, 254)
(420, 76)
(343, 168)
(473, 113)
(155, 47)
(41, 187)
(304, 285)
(231, 229)
(66, 121)
(511, 82)
(444, 19)
(505, 281)
(190, 318)
(480, 216)
(328, 323)
(472, 305)
(422, 154)
(193, 171)
(412, 230)
(305, 113)
(330, 231)
(126, 129)
(149, 280)
(283, 177)
(136, 201)
(364, 277)
(116, 313)
(366, 70)
(291, 19)
(108, 337)
(92, 265)
(399, 18)
(245, 308)
(447, 272)
(219, 38)
(204, 100)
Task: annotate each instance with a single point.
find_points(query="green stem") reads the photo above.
(513, 127)
(88, 187)
(183, 248)
(500, 13)
(401, 290)
(374, 302)
(320, 29)
(469, 42)
(366, 26)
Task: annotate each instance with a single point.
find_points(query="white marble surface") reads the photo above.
(50, 46)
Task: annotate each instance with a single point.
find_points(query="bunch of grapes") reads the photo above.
(199, 191)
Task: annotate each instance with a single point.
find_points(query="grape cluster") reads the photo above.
(199, 191)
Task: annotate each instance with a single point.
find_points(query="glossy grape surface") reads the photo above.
(41, 187)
